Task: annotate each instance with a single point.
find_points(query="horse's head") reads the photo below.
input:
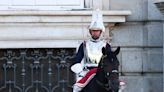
(108, 67)
(109, 63)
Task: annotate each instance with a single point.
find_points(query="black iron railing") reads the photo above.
(36, 70)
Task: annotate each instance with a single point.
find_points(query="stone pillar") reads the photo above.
(163, 57)
(160, 5)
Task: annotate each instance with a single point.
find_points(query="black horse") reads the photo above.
(107, 77)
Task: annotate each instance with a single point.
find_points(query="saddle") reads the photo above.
(86, 79)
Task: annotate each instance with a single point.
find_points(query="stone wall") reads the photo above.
(141, 39)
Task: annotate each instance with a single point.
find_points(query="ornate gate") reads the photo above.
(36, 70)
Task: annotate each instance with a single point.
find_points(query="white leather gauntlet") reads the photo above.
(77, 68)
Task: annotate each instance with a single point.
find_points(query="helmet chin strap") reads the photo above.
(95, 40)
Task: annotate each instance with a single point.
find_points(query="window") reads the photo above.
(41, 4)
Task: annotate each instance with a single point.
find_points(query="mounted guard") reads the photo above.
(90, 52)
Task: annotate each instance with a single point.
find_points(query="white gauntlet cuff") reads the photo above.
(77, 68)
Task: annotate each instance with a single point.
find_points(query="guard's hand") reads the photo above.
(77, 68)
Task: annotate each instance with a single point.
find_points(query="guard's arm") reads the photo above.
(79, 55)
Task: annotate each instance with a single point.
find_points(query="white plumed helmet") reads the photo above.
(97, 21)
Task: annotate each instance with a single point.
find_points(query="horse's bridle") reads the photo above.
(106, 86)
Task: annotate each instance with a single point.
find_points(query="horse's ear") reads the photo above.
(117, 50)
(103, 51)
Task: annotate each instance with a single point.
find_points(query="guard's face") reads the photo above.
(95, 34)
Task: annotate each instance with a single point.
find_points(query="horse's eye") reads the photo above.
(107, 73)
